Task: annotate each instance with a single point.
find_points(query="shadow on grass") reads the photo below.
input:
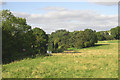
(96, 46)
(71, 52)
(100, 44)
(27, 57)
(75, 50)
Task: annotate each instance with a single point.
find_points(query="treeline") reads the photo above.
(62, 39)
(19, 40)
(112, 34)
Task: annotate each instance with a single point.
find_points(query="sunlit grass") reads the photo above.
(109, 41)
(94, 62)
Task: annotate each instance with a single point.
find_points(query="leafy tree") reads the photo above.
(72, 38)
(85, 38)
(104, 35)
(11, 28)
(19, 40)
(41, 40)
(80, 38)
(100, 36)
(59, 40)
(91, 36)
(115, 32)
(62, 39)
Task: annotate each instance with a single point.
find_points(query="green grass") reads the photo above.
(100, 61)
(109, 41)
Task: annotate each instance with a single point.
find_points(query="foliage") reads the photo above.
(104, 35)
(18, 38)
(109, 37)
(40, 41)
(59, 41)
(115, 32)
(62, 39)
(100, 36)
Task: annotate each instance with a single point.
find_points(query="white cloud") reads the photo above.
(70, 20)
(52, 8)
(107, 3)
(104, 2)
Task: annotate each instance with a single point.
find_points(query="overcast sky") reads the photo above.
(51, 16)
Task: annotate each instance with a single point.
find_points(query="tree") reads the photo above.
(59, 41)
(104, 35)
(62, 39)
(115, 32)
(85, 38)
(100, 36)
(19, 40)
(91, 36)
(80, 38)
(41, 40)
(11, 27)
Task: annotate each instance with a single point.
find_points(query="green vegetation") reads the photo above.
(109, 41)
(98, 45)
(40, 41)
(115, 32)
(62, 39)
(24, 51)
(104, 35)
(100, 61)
(112, 34)
(19, 40)
(58, 41)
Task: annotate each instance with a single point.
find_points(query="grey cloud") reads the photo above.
(2, 3)
(22, 14)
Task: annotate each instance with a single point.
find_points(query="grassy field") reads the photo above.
(100, 61)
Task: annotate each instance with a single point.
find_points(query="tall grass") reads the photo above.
(100, 61)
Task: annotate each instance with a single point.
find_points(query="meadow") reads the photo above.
(100, 61)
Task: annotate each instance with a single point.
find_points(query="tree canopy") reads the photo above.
(115, 32)
(18, 38)
(62, 39)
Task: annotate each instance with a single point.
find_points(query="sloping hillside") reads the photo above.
(100, 61)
